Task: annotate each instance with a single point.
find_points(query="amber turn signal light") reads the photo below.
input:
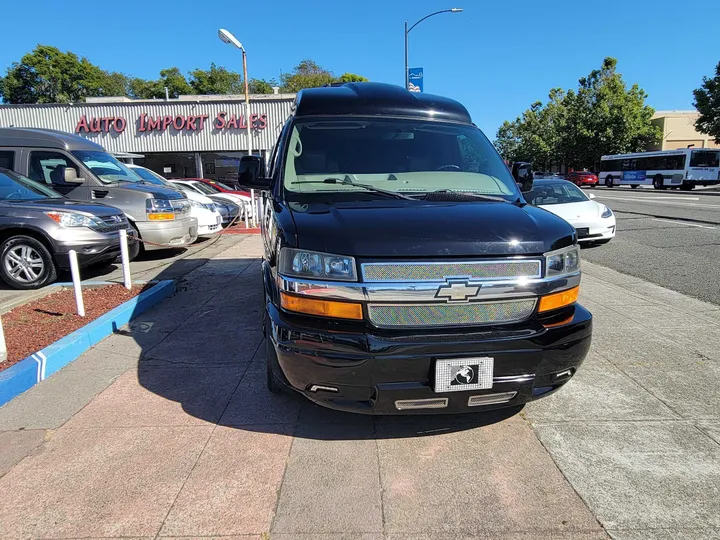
(323, 308)
(161, 217)
(558, 300)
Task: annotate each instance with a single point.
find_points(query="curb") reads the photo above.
(255, 230)
(39, 366)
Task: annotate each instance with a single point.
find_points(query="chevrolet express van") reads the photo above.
(403, 270)
(82, 170)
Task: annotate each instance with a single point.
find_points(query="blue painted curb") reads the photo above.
(39, 366)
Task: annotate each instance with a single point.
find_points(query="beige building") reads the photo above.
(678, 131)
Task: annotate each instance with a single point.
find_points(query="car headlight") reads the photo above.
(72, 219)
(606, 213)
(303, 263)
(196, 204)
(159, 210)
(211, 206)
(562, 261)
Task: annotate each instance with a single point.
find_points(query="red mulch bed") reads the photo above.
(32, 327)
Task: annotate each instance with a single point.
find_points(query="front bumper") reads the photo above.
(169, 234)
(91, 246)
(374, 370)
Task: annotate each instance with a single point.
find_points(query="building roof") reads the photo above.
(378, 99)
(47, 138)
(196, 98)
(675, 112)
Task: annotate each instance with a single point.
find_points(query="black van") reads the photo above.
(403, 270)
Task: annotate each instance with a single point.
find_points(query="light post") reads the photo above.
(227, 37)
(407, 31)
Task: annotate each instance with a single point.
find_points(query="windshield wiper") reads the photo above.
(347, 181)
(465, 195)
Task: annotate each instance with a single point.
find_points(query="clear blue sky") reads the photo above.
(496, 57)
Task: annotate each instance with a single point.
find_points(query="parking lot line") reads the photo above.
(677, 222)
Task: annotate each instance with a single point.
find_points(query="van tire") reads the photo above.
(609, 181)
(35, 252)
(274, 385)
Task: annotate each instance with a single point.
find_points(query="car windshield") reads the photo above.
(406, 157)
(106, 167)
(561, 192)
(205, 188)
(14, 187)
(223, 186)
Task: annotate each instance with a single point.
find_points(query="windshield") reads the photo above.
(705, 158)
(223, 186)
(148, 176)
(14, 187)
(205, 188)
(410, 157)
(108, 169)
(555, 193)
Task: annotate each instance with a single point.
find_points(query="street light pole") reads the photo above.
(247, 103)
(407, 31)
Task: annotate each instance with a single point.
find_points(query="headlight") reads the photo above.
(211, 206)
(562, 261)
(71, 219)
(606, 213)
(196, 204)
(159, 210)
(302, 263)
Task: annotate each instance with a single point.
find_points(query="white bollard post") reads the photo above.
(3, 347)
(125, 258)
(252, 204)
(75, 271)
(246, 212)
(259, 210)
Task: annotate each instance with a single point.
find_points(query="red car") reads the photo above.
(220, 186)
(583, 178)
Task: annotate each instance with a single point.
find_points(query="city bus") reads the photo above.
(677, 169)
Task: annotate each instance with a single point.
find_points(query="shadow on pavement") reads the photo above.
(204, 349)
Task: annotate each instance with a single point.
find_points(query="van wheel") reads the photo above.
(273, 384)
(658, 182)
(25, 263)
(609, 181)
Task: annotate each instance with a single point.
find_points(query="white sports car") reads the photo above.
(593, 221)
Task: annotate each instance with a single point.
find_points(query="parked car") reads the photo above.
(230, 212)
(38, 228)
(593, 221)
(210, 191)
(582, 178)
(403, 271)
(220, 186)
(81, 169)
(202, 208)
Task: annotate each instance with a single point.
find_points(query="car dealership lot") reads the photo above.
(167, 430)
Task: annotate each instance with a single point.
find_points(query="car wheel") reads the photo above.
(634, 186)
(609, 181)
(658, 182)
(25, 263)
(135, 246)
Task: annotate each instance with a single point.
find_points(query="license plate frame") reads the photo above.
(583, 232)
(463, 374)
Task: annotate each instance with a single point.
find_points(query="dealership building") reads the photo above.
(187, 137)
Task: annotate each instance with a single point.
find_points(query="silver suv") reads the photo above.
(83, 170)
(38, 227)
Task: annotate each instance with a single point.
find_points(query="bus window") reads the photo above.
(705, 158)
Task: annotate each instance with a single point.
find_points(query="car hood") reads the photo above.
(419, 229)
(574, 211)
(61, 205)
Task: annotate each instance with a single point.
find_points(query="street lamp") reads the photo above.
(227, 37)
(407, 31)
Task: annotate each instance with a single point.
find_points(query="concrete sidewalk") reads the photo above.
(167, 430)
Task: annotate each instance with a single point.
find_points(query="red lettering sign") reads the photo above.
(101, 124)
(222, 121)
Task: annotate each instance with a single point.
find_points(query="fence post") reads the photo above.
(125, 258)
(75, 271)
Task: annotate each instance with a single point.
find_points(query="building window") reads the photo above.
(170, 165)
(221, 166)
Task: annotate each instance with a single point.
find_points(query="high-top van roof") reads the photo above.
(45, 138)
(378, 99)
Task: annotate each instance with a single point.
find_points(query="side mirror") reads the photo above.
(591, 195)
(523, 175)
(252, 173)
(70, 176)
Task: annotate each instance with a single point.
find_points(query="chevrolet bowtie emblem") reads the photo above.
(457, 291)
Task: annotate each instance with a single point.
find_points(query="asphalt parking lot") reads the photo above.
(166, 430)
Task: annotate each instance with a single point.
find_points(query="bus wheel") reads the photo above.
(658, 182)
(609, 181)
(634, 186)
(687, 186)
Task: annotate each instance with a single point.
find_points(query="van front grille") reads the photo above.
(440, 271)
(437, 314)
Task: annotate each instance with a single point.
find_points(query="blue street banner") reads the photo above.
(415, 79)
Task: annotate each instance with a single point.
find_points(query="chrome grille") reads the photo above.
(439, 271)
(436, 314)
(113, 223)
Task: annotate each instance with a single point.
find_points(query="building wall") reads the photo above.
(132, 139)
(679, 131)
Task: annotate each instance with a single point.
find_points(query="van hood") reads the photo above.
(152, 190)
(60, 205)
(420, 229)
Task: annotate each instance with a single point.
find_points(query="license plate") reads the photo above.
(464, 374)
(583, 232)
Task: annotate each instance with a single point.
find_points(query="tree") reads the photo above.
(261, 86)
(216, 80)
(307, 74)
(577, 127)
(170, 78)
(351, 77)
(707, 102)
(48, 75)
